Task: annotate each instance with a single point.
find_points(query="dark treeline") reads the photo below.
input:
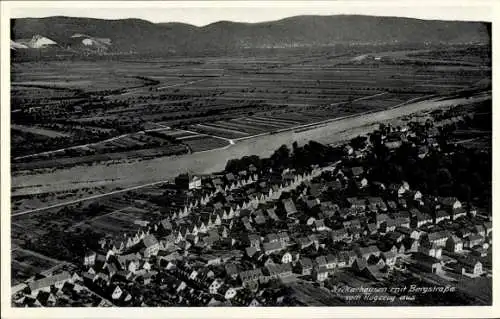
(299, 158)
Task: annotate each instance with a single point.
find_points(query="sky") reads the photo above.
(203, 13)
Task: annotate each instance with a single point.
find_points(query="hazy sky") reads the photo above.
(199, 13)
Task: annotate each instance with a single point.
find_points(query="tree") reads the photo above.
(464, 192)
(444, 176)
(358, 142)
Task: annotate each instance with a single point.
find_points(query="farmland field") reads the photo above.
(38, 131)
(117, 221)
(80, 122)
(26, 264)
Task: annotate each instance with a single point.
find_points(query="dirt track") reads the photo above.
(148, 171)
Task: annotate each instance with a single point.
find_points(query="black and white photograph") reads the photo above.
(264, 155)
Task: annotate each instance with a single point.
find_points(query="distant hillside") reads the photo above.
(143, 36)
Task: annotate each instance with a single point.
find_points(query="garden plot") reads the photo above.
(209, 129)
(278, 120)
(273, 124)
(260, 126)
(238, 127)
(202, 143)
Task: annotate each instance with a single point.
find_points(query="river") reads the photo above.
(147, 171)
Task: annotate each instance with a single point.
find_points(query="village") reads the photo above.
(296, 232)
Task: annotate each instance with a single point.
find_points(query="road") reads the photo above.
(92, 144)
(71, 147)
(34, 253)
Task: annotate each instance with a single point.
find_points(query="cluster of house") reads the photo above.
(241, 233)
(64, 288)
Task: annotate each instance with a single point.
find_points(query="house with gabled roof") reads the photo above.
(420, 220)
(331, 261)
(376, 203)
(415, 195)
(271, 212)
(392, 205)
(303, 242)
(463, 232)
(366, 252)
(118, 245)
(45, 283)
(397, 189)
(488, 227)
(479, 229)
(251, 252)
(260, 219)
(352, 224)
(320, 261)
(356, 171)
(89, 258)
(283, 237)
(272, 247)
(151, 246)
(479, 251)
(380, 219)
(346, 258)
(289, 206)
(470, 266)
(403, 214)
(356, 203)
(438, 238)
(46, 299)
(473, 240)
(450, 203)
(394, 237)
(389, 225)
(389, 258)
(247, 223)
(284, 257)
(279, 270)
(305, 266)
(370, 228)
(320, 273)
(458, 213)
(402, 203)
(408, 232)
(248, 276)
(402, 222)
(253, 240)
(441, 215)
(430, 249)
(338, 235)
(319, 225)
(272, 237)
(231, 270)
